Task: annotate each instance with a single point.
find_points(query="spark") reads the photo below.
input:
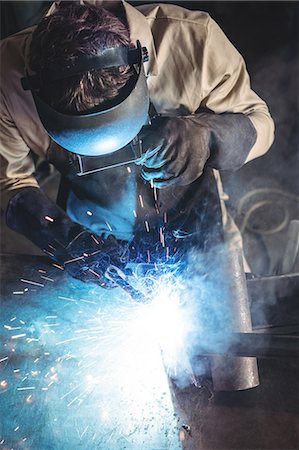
(109, 226)
(73, 401)
(3, 384)
(17, 336)
(57, 266)
(129, 169)
(47, 278)
(85, 430)
(95, 239)
(88, 301)
(27, 388)
(74, 259)
(155, 194)
(67, 299)
(165, 217)
(18, 292)
(141, 201)
(49, 219)
(114, 351)
(4, 359)
(167, 253)
(8, 327)
(42, 271)
(162, 239)
(69, 340)
(182, 436)
(89, 213)
(32, 282)
(134, 213)
(147, 226)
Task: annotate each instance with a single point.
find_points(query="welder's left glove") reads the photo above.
(177, 148)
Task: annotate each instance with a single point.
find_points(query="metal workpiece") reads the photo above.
(263, 345)
(230, 373)
(256, 345)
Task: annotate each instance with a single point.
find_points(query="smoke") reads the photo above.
(94, 366)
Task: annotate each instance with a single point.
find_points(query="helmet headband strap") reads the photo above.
(110, 57)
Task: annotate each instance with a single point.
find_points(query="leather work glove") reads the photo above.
(177, 148)
(84, 256)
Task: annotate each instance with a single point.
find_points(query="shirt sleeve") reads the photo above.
(226, 88)
(16, 163)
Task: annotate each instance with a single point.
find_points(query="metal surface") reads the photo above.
(262, 418)
(260, 345)
(231, 373)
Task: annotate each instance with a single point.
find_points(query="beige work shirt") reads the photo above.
(191, 64)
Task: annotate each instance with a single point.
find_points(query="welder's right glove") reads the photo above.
(84, 256)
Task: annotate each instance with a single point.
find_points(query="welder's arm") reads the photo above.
(177, 148)
(85, 256)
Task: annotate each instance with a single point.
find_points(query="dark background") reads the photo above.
(267, 35)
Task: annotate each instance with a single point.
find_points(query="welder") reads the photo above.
(138, 108)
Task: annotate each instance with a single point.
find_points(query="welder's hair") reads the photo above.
(73, 30)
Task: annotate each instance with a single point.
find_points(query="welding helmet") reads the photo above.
(108, 127)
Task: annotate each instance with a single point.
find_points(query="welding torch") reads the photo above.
(119, 277)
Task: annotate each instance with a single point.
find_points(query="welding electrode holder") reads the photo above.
(234, 373)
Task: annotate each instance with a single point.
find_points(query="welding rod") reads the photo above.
(260, 345)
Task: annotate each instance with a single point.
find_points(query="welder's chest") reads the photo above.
(118, 201)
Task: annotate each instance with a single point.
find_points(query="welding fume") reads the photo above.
(140, 118)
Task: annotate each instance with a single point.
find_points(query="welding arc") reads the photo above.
(259, 345)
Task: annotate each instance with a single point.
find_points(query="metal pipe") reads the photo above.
(256, 345)
(265, 345)
(229, 372)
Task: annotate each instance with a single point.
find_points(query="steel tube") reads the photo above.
(265, 345)
(229, 372)
(256, 345)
